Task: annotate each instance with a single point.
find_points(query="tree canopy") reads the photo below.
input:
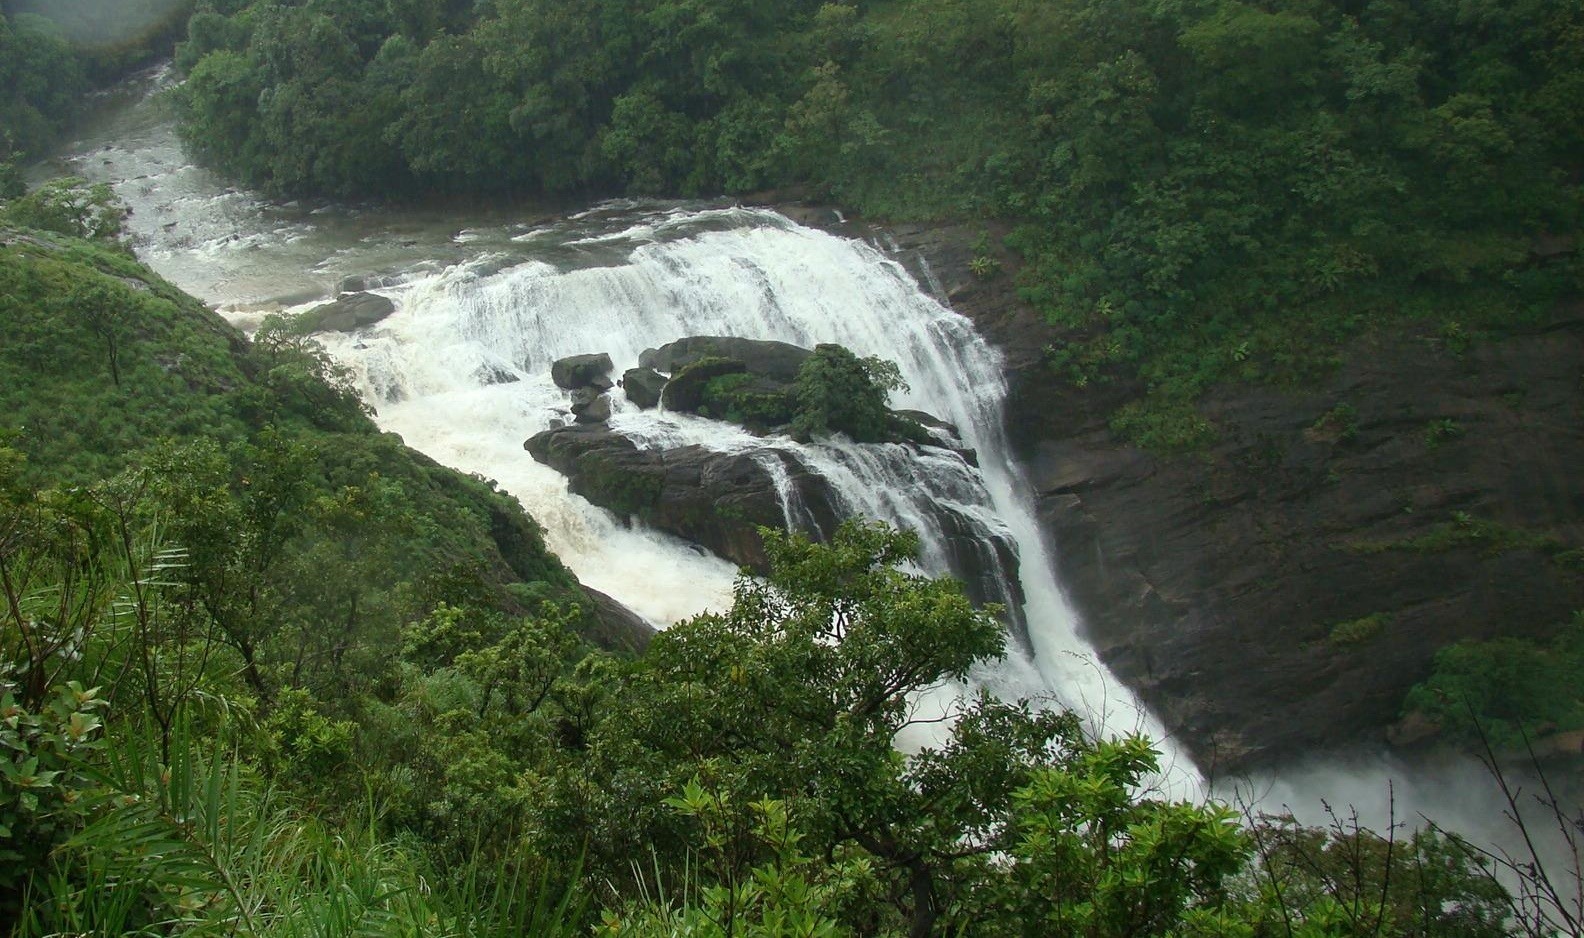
(1199, 191)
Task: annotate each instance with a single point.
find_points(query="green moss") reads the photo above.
(1465, 532)
(1164, 426)
(1439, 431)
(742, 398)
(1337, 425)
(1358, 631)
(624, 493)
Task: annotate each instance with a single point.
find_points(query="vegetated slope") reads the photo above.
(107, 370)
(279, 673)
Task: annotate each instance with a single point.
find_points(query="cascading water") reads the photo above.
(461, 369)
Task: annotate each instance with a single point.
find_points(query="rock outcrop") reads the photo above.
(610, 625)
(1432, 494)
(590, 405)
(643, 386)
(716, 500)
(1430, 491)
(582, 371)
(688, 389)
(770, 359)
(347, 313)
(720, 500)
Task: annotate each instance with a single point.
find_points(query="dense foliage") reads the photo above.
(838, 391)
(53, 51)
(1200, 190)
(1509, 693)
(741, 779)
(41, 83)
(269, 470)
(203, 733)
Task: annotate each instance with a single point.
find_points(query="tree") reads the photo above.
(106, 307)
(799, 693)
(838, 392)
(70, 206)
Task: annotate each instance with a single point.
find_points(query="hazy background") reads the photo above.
(101, 22)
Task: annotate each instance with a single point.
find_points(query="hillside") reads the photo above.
(108, 371)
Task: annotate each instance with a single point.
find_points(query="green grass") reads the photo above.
(1358, 631)
(1465, 532)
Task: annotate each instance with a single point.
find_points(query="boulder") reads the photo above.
(494, 374)
(777, 360)
(582, 371)
(643, 386)
(590, 406)
(720, 500)
(716, 500)
(929, 430)
(348, 313)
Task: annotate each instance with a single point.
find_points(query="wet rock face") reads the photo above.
(716, 500)
(582, 371)
(643, 386)
(1433, 489)
(720, 500)
(777, 360)
(612, 626)
(686, 390)
(589, 405)
(349, 313)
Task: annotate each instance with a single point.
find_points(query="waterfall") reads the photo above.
(461, 371)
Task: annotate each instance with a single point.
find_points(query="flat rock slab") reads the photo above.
(348, 313)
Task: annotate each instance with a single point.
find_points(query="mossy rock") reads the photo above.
(687, 390)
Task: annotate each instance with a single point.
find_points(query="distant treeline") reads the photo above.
(1205, 188)
(53, 51)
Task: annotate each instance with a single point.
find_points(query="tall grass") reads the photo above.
(200, 846)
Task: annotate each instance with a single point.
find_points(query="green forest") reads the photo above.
(1199, 191)
(266, 671)
(206, 734)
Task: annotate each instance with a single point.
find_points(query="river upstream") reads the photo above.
(486, 299)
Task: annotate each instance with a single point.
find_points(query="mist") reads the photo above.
(1386, 793)
(103, 22)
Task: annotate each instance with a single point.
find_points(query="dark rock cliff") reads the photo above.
(1281, 592)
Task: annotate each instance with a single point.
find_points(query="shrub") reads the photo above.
(838, 392)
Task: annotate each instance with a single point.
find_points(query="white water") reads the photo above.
(506, 296)
(634, 278)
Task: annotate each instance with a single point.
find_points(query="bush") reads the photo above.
(1508, 689)
(69, 206)
(838, 392)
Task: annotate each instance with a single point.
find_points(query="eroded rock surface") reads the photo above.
(716, 500)
(348, 313)
(1435, 489)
